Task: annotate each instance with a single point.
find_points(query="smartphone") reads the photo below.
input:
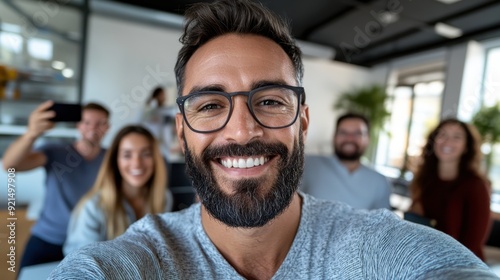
(66, 112)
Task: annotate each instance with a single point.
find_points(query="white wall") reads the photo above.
(324, 81)
(121, 55)
(125, 61)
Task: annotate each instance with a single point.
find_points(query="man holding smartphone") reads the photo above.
(70, 172)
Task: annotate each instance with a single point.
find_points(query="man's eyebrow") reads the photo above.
(262, 83)
(221, 88)
(214, 87)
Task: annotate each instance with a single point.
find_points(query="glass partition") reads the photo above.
(40, 55)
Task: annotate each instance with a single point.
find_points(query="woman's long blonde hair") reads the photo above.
(108, 185)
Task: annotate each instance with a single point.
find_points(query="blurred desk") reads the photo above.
(181, 186)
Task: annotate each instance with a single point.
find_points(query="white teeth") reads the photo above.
(244, 163)
(136, 172)
(446, 150)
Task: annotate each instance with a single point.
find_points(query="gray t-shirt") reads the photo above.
(69, 177)
(333, 241)
(326, 177)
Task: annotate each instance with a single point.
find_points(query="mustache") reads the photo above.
(250, 149)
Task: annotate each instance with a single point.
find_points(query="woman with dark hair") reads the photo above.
(449, 186)
(132, 182)
(159, 119)
(157, 97)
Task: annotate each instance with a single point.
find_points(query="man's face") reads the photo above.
(93, 126)
(351, 139)
(243, 196)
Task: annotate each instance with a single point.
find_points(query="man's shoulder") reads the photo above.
(332, 213)
(151, 247)
(384, 245)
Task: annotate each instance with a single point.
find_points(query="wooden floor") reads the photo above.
(22, 231)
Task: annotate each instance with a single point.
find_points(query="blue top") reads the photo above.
(69, 177)
(333, 241)
(326, 177)
(88, 223)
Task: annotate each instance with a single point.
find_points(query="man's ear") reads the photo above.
(304, 119)
(179, 126)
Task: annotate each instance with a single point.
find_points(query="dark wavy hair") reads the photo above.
(206, 21)
(469, 165)
(155, 93)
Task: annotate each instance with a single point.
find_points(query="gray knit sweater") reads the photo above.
(333, 241)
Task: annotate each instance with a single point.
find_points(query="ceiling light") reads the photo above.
(40, 48)
(388, 17)
(316, 50)
(11, 41)
(447, 31)
(449, 1)
(68, 72)
(58, 65)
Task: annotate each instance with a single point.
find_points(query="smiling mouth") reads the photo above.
(136, 172)
(446, 150)
(243, 162)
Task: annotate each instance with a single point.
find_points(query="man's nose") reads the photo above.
(242, 127)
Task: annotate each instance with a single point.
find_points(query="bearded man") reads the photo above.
(242, 124)
(342, 176)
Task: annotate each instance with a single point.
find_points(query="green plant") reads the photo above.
(369, 101)
(487, 122)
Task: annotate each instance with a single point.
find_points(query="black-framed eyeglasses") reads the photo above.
(273, 106)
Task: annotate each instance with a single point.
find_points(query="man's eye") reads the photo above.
(269, 102)
(209, 107)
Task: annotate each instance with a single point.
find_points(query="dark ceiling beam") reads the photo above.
(425, 25)
(352, 5)
(483, 34)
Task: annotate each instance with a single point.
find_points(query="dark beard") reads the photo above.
(248, 207)
(354, 156)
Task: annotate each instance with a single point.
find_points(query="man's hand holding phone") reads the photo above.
(49, 112)
(39, 120)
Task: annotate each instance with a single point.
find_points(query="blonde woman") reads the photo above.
(132, 182)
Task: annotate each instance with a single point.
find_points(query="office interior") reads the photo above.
(434, 58)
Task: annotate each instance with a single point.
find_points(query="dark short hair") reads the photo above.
(206, 21)
(352, 115)
(97, 107)
(157, 92)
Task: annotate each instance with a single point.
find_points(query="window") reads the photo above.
(36, 38)
(416, 107)
(491, 96)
